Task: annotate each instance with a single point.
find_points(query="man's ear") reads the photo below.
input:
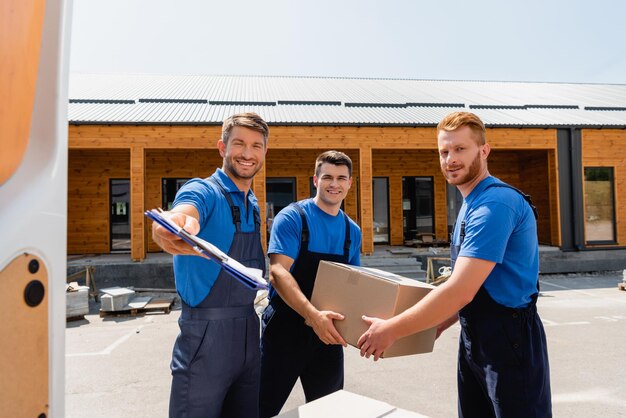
(221, 146)
(315, 180)
(486, 149)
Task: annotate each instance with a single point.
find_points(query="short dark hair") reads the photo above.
(248, 120)
(457, 120)
(333, 157)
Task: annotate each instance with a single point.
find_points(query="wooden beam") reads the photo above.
(367, 211)
(555, 209)
(258, 188)
(137, 219)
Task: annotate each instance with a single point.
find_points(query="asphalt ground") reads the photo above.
(119, 366)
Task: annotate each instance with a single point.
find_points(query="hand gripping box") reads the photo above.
(355, 291)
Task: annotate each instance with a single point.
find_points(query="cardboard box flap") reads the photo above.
(385, 275)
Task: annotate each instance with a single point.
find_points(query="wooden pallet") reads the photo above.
(163, 306)
(621, 286)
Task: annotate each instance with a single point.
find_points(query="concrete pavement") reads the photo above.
(119, 367)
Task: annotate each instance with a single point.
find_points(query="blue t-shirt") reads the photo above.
(196, 275)
(326, 233)
(500, 227)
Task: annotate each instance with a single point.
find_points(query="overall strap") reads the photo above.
(304, 239)
(257, 219)
(526, 197)
(529, 200)
(234, 209)
(346, 242)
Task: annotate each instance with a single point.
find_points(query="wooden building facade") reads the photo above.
(147, 156)
(575, 175)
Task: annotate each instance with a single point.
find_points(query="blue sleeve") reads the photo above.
(199, 194)
(487, 231)
(286, 233)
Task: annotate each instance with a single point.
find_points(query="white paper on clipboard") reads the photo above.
(250, 277)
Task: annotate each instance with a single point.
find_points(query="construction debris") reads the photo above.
(115, 298)
(155, 306)
(76, 301)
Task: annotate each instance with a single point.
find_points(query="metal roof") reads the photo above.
(209, 99)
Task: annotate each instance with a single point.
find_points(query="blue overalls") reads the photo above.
(503, 366)
(216, 359)
(290, 348)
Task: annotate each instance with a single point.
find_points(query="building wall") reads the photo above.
(604, 148)
(88, 226)
(528, 171)
(146, 154)
(396, 164)
(178, 163)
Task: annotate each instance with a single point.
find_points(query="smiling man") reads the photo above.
(298, 340)
(503, 359)
(216, 359)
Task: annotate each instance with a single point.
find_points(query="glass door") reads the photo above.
(417, 206)
(119, 198)
(380, 194)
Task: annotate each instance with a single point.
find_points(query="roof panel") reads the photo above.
(380, 101)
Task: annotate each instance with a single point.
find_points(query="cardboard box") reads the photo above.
(355, 291)
(346, 404)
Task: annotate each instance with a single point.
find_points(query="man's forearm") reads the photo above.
(289, 290)
(445, 300)
(438, 306)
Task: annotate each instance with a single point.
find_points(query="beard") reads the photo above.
(472, 173)
(239, 173)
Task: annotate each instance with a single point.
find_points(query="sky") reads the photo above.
(532, 40)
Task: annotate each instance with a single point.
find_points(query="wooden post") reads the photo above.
(367, 212)
(259, 189)
(137, 187)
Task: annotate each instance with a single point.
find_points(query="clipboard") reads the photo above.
(247, 276)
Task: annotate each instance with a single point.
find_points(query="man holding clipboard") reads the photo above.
(216, 358)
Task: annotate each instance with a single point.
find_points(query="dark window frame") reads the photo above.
(289, 179)
(163, 189)
(614, 213)
(123, 250)
(407, 233)
(386, 178)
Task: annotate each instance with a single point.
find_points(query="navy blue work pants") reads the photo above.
(503, 366)
(293, 352)
(215, 368)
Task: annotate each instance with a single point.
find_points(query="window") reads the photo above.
(454, 201)
(170, 187)
(599, 205)
(380, 197)
(279, 193)
(418, 206)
